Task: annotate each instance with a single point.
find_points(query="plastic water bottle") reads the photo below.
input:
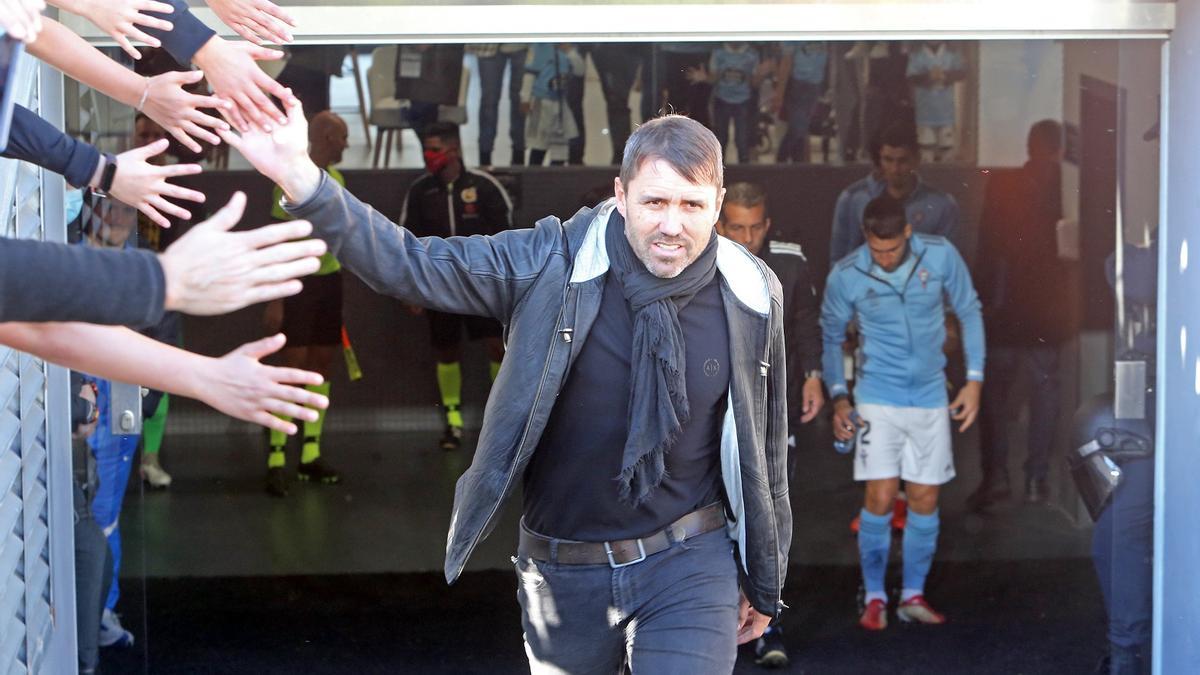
(847, 446)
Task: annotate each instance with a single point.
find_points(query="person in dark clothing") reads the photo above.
(1024, 323)
(451, 200)
(745, 218)
(643, 402)
(428, 76)
(618, 65)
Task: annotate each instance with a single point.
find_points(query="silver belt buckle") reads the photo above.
(615, 565)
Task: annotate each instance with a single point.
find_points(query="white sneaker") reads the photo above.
(112, 634)
(153, 473)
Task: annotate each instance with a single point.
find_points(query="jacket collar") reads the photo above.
(741, 270)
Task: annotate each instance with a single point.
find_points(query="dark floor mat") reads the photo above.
(1004, 617)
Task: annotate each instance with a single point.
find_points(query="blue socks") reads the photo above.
(874, 543)
(920, 543)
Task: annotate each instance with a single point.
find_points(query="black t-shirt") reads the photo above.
(571, 485)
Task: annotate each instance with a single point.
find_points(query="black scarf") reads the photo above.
(658, 403)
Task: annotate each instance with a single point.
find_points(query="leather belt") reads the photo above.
(625, 551)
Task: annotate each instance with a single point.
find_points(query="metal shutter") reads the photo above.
(37, 604)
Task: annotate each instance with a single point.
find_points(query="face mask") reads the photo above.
(436, 161)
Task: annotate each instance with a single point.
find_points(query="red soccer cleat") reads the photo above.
(874, 616)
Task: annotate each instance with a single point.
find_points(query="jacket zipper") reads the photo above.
(903, 301)
(450, 209)
(524, 434)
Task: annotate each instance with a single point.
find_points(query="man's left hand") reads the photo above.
(751, 623)
(281, 155)
(965, 406)
(813, 399)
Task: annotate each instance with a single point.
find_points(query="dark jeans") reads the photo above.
(310, 86)
(673, 613)
(1123, 552)
(93, 573)
(575, 104)
(617, 64)
(1002, 367)
(740, 114)
(491, 79)
(798, 104)
(421, 114)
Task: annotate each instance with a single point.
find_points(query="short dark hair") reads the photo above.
(884, 217)
(898, 134)
(447, 131)
(683, 143)
(1045, 138)
(748, 195)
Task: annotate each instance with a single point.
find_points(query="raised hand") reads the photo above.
(239, 386)
(144, 186)
(211, 270)
(233, 75)
(176, 109)
(22, 19)
(121, 18)
(281, 155)
(259, 21)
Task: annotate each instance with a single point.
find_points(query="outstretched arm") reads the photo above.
(235, 384)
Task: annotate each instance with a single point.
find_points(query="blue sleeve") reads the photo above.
(841, 238)
(537, 58)
(962, 298)
(836, 312)
(188, 35)
(36, 141)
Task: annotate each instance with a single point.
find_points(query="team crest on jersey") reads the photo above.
(923, 275)
(918, 218)
(470, 196)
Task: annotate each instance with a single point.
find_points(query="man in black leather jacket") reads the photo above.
(642, 399)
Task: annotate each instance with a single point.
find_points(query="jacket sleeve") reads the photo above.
(497, 208)
(188, 35)
(36, 141)
(806, 325)
(46, 281)
(841, 237)
(836, 312)
(948, 228)
(483, 276)
(961, 295)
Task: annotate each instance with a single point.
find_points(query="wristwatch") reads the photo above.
(106, 176)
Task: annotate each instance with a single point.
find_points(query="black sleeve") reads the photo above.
(806, 321)
(36, 141)
(45, 281)
(188, 35)
(496, 210)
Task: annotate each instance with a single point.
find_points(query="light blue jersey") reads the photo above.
(901, 320)
(935, 103)
(808, 61)
(734, 71)
(552, 67)
(929, 211)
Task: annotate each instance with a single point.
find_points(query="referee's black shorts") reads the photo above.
(445, 330)
(314, 316)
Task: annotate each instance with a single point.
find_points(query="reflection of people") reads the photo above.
(312, 322)
(801, 74)
(452, 200)
(1025, 324)
(896, 286)
(639, 394)
(896, 156)
(932, 71)
(745, 219)
(550, 123)
(734, 69)
(493, 59)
